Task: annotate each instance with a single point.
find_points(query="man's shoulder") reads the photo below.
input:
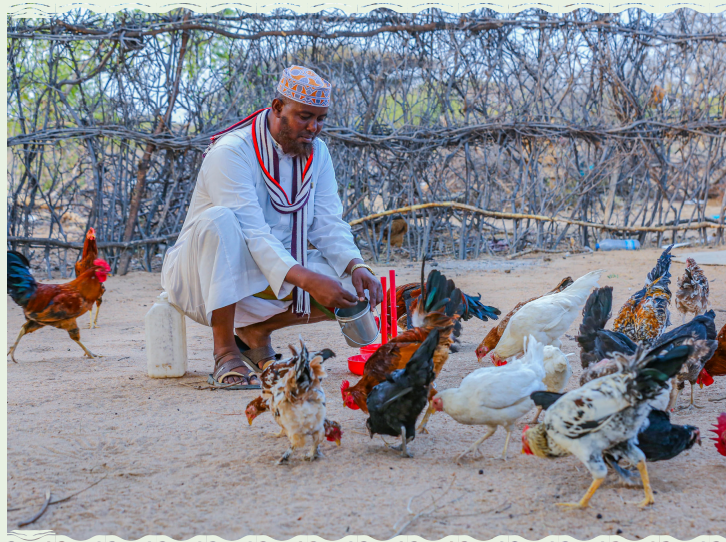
(239, 140)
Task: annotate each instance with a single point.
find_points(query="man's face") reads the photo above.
(300, 124)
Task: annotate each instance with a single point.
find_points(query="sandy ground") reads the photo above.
(181, 462)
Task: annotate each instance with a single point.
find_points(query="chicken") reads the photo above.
(394, 404)
(270, 378)
(716, 366)
(394, 355)
(557, 373)
(658, 438)
(496, 396)
(546, 318)
(297, 402)
(492, 338)
(408, 301)
(606, 412)
(442, 303)
(89, 255)
(691, 370)
(56, 305)
(595, 341)
(720, 431)
(692, 294)
(645, 315)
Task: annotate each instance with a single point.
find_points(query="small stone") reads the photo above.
(599, 516)
(619, 531)
(507, 270)
(481, 471)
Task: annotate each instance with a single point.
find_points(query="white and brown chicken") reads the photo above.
(292, 391)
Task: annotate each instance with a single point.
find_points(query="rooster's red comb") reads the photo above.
(720, 434)
(102, 263)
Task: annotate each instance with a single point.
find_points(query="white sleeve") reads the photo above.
(329, 233)
(230, 182)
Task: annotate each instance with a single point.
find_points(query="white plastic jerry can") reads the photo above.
(166, 339)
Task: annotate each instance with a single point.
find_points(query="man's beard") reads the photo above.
(286, 139)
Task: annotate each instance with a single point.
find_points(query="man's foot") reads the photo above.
(229, 363)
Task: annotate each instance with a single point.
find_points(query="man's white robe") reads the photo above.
(234, 244)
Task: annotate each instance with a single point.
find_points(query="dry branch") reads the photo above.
(542, 218)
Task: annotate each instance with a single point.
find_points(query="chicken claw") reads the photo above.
(313, 454)
(584, 502)
(286, 456)
(475, 447)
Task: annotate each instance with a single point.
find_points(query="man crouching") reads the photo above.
(266, 188)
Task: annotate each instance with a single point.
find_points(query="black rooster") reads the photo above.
(395, 403)
(595, 341)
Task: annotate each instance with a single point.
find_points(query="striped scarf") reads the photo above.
(295, 203)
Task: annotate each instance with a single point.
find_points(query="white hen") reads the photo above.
(558, 372)
(546, 318)
(496, 396)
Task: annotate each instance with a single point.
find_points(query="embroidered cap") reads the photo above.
(305, 86)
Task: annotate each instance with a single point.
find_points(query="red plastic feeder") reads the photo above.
(357, 363)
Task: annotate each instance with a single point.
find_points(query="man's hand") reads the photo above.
(327, 291)
(364, 280)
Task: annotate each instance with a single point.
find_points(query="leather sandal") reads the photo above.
(256, 359)
(225, 369)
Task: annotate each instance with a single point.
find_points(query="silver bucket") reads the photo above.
(358, 324)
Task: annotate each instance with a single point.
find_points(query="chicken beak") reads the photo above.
(337, 441)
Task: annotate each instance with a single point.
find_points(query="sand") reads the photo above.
(182, 462)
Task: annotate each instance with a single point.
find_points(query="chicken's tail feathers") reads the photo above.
(420, 368)
(21, 284)
(581, 287)
(545, 399)
(654, 371)
(595, 315)
(661, 272)
(303, 372)
(474, 308)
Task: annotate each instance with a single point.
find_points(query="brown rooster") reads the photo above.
(407, 299)
(492, 338)
(89, 255)
(645, 315)
(692, 294)
(56, 305)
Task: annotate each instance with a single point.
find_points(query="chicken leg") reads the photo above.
(28, 327)
(646, 485)
(536, 418)
(401, 447)
(75, 334)
(422, 428)
(476, 445)
(693, 404)
(93, 323)
(596, 482)
(506, 443)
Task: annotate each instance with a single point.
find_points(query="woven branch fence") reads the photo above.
(456, 134)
